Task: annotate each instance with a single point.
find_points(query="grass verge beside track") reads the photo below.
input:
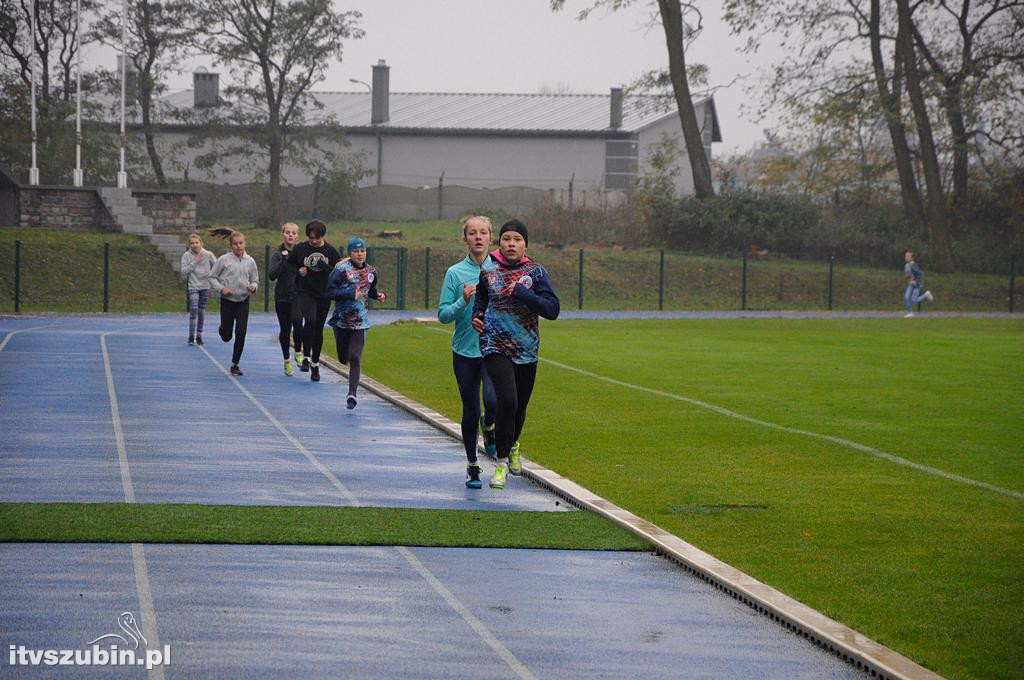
(307, 525)
(926, 565)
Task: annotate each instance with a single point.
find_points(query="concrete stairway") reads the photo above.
(129, 218)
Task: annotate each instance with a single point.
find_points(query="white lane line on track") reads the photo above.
(885, 455)
(515, 664)
(472, 621)
(13, 333)
(147, 609)
(335, 482)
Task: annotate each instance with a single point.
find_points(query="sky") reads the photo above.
(521, 46)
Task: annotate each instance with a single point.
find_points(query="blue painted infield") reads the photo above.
(192, 436)
(306, 611)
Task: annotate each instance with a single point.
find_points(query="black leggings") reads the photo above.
(314, 315)
(513, 385)
(350, 351)
(290, 321)
(234, 319)
(470, 375)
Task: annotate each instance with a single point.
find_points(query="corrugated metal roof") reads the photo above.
(569, 113)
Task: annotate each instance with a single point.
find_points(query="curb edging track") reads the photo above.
(841, 640)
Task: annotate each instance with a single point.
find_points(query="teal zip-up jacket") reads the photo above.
(453, 307)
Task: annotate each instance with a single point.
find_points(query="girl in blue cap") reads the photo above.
(351, 283)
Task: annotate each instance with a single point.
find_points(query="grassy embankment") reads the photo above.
(63, 271)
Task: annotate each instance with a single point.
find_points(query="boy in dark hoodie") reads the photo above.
(512, 293)
(314, 260)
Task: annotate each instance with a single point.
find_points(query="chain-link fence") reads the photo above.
(133, 277)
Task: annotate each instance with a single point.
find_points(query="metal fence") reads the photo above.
(121, 278)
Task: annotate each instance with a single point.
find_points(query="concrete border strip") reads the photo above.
(854, 647)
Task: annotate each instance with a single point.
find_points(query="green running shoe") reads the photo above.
(288, 370)
(473, 476)
(515, 466)
(498, 480)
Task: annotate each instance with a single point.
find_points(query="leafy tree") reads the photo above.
(156, 33)
(54, 46)
(276, 51)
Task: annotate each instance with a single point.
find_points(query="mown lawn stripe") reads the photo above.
(308, 525)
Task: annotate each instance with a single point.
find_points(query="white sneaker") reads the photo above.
(908, 315)
(928, 296)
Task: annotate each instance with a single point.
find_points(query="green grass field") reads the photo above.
(63, 271)
(927, 565)
(307, 525)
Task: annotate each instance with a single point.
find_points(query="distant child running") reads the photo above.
(289, 319)
(196, 266)
(513, 291)
(460, 282)
(314, 260)
(915, 284)
(351, 284)
(236, 277)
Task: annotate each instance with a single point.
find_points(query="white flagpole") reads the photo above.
(122, 176)
(78, 96)
(33, 172)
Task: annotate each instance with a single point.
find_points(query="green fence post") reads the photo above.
(106, 277)
(266, 278)
(426, 280)
(831, 263)
(581, 279)
(17, 279)
(1013, 271)
(661, 282)
(743, 291)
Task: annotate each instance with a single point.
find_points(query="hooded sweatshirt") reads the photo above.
(196, 275)
(234, 273)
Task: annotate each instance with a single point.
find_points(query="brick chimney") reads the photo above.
(615, 121)
(379, 112)
(205, 88)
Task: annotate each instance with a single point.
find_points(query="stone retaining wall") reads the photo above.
(77, 209)
(171, 211)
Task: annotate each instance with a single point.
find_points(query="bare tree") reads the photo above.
(276, 51)
(671, 18)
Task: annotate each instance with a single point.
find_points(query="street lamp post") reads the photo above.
(122, 176)
(33, 172)
(79, 179)
(360, 82)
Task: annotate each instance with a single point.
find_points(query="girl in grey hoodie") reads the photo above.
(236, 277)
(196, 265)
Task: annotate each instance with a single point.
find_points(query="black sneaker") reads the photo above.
(473, 476)
(314, 373)
(304, 367)
(191, 341)
(350, 403)
(235, 370)
(489, 442)
(199, 340)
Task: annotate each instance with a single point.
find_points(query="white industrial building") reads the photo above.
(411, 139)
